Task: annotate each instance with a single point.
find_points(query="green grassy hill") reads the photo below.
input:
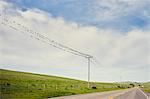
(146, 87)
(23, 85)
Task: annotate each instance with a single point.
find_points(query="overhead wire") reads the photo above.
(38, 36)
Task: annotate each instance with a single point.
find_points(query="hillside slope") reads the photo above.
(23, 85)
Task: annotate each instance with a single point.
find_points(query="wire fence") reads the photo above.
(9, 87)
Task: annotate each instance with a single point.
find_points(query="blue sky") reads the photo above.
(115, 32)
(110, 14)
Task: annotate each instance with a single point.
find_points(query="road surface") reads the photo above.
(134, 93)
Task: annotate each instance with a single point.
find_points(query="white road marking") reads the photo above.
(144, 93)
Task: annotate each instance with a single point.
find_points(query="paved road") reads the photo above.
(134, 93)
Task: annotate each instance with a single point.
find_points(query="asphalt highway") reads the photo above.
(134, 93)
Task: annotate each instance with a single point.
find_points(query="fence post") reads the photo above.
(56, 86)
(44, 86)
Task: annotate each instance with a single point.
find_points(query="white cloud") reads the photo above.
(127, 53)
(112, 9)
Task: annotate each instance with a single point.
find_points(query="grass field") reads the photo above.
(21, 85)
(146, 87)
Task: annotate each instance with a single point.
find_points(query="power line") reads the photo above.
(97, 61)
(38, 36)
(17, 26)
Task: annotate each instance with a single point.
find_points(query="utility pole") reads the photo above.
(89, 70)
(17, 26)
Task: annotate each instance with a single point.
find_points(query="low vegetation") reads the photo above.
(23, 85)
(146, 87)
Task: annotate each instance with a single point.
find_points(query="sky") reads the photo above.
(115, 32)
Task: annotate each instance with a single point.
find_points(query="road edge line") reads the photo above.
(144, 94)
